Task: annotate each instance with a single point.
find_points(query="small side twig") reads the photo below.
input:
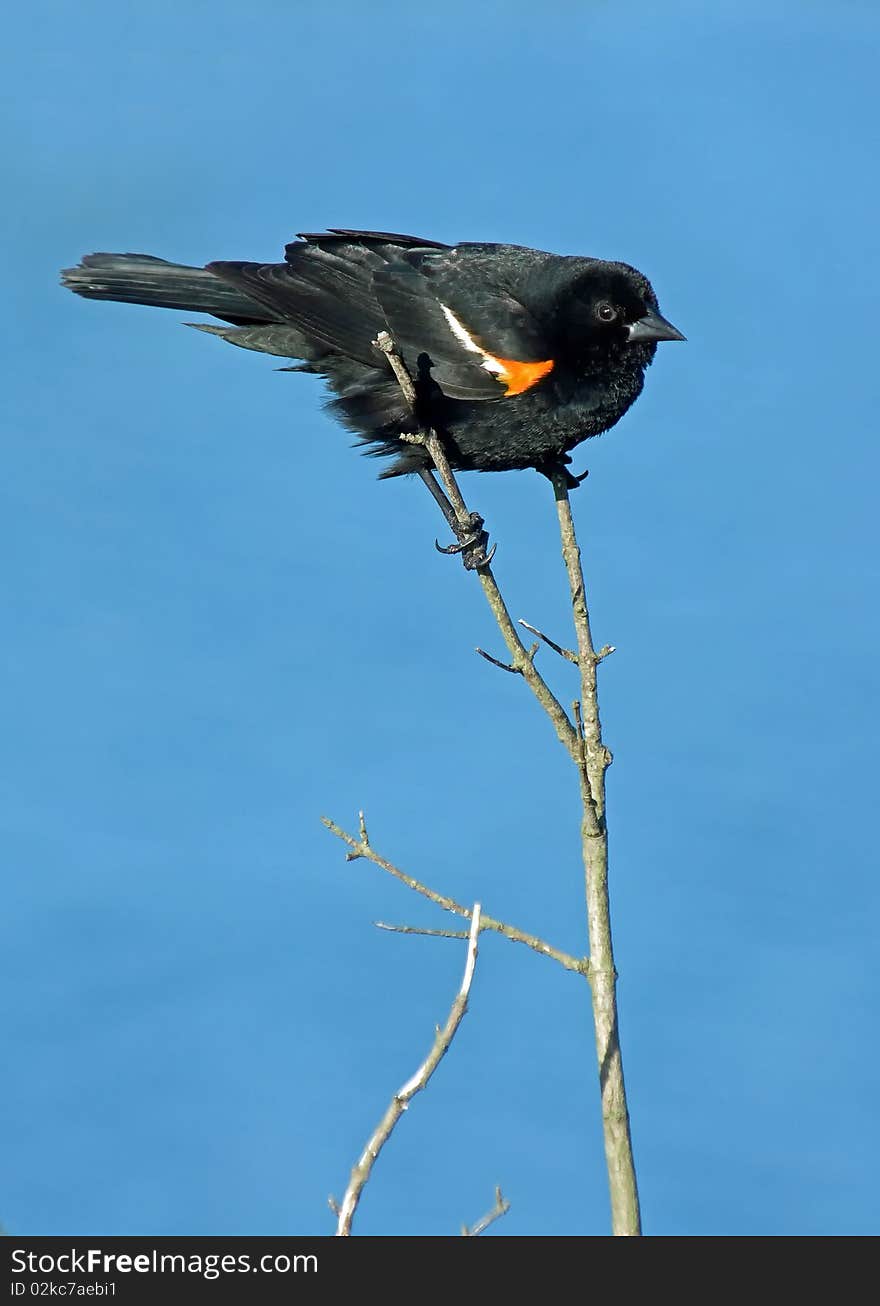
(501, 1207)
(404, 1095)
(502, 666)
(566, 653)
(361, 847)
(507, 666)
(417, 929)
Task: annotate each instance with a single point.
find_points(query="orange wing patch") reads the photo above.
(518, 377)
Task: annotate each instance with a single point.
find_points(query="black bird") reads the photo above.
(519, 355)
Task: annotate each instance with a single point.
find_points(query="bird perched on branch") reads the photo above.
(517, 355)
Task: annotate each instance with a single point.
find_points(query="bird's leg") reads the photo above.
(440, 498)
(469, 533)
(471, 538)
(466, 526)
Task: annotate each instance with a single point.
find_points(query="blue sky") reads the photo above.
(217, 626)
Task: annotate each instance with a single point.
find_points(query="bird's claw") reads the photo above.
(452, 548)
(480, 557)
(471, 544)
(551, 468)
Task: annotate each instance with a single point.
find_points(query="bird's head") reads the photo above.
(612, 309)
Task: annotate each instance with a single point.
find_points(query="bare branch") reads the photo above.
(417, 929)
(593, 762)
(402, 1098)
(557, 648)
(582, 740)
(361, 848)
(501, 1207)
(504, 666)
(578, 719)
(384, 342)
(434, 445)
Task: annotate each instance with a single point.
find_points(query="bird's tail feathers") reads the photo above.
(143, 279)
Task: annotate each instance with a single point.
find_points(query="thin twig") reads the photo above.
(506, 666)
(384, 342)
(434, 445)
(566, 653)
(361, 847)
(503, 666)
(501, 1207)
(404, 1095)
(417, 929)
(625, 1215)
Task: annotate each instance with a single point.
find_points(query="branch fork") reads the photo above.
(581, 736)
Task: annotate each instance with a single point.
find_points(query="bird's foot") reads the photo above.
(552, 468)
(471, 543)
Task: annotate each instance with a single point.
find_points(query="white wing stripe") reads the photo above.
(463, 336)
(460, 331)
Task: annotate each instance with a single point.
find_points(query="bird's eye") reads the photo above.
(606, 312)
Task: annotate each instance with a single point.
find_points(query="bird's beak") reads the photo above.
(652, 327)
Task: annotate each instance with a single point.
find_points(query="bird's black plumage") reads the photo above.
(522, 354)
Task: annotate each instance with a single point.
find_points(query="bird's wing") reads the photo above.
(343, 288)
(482, 341)
(327, 296)
(348, 236)
(325, 288)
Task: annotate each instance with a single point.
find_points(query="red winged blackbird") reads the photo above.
(519, 355)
